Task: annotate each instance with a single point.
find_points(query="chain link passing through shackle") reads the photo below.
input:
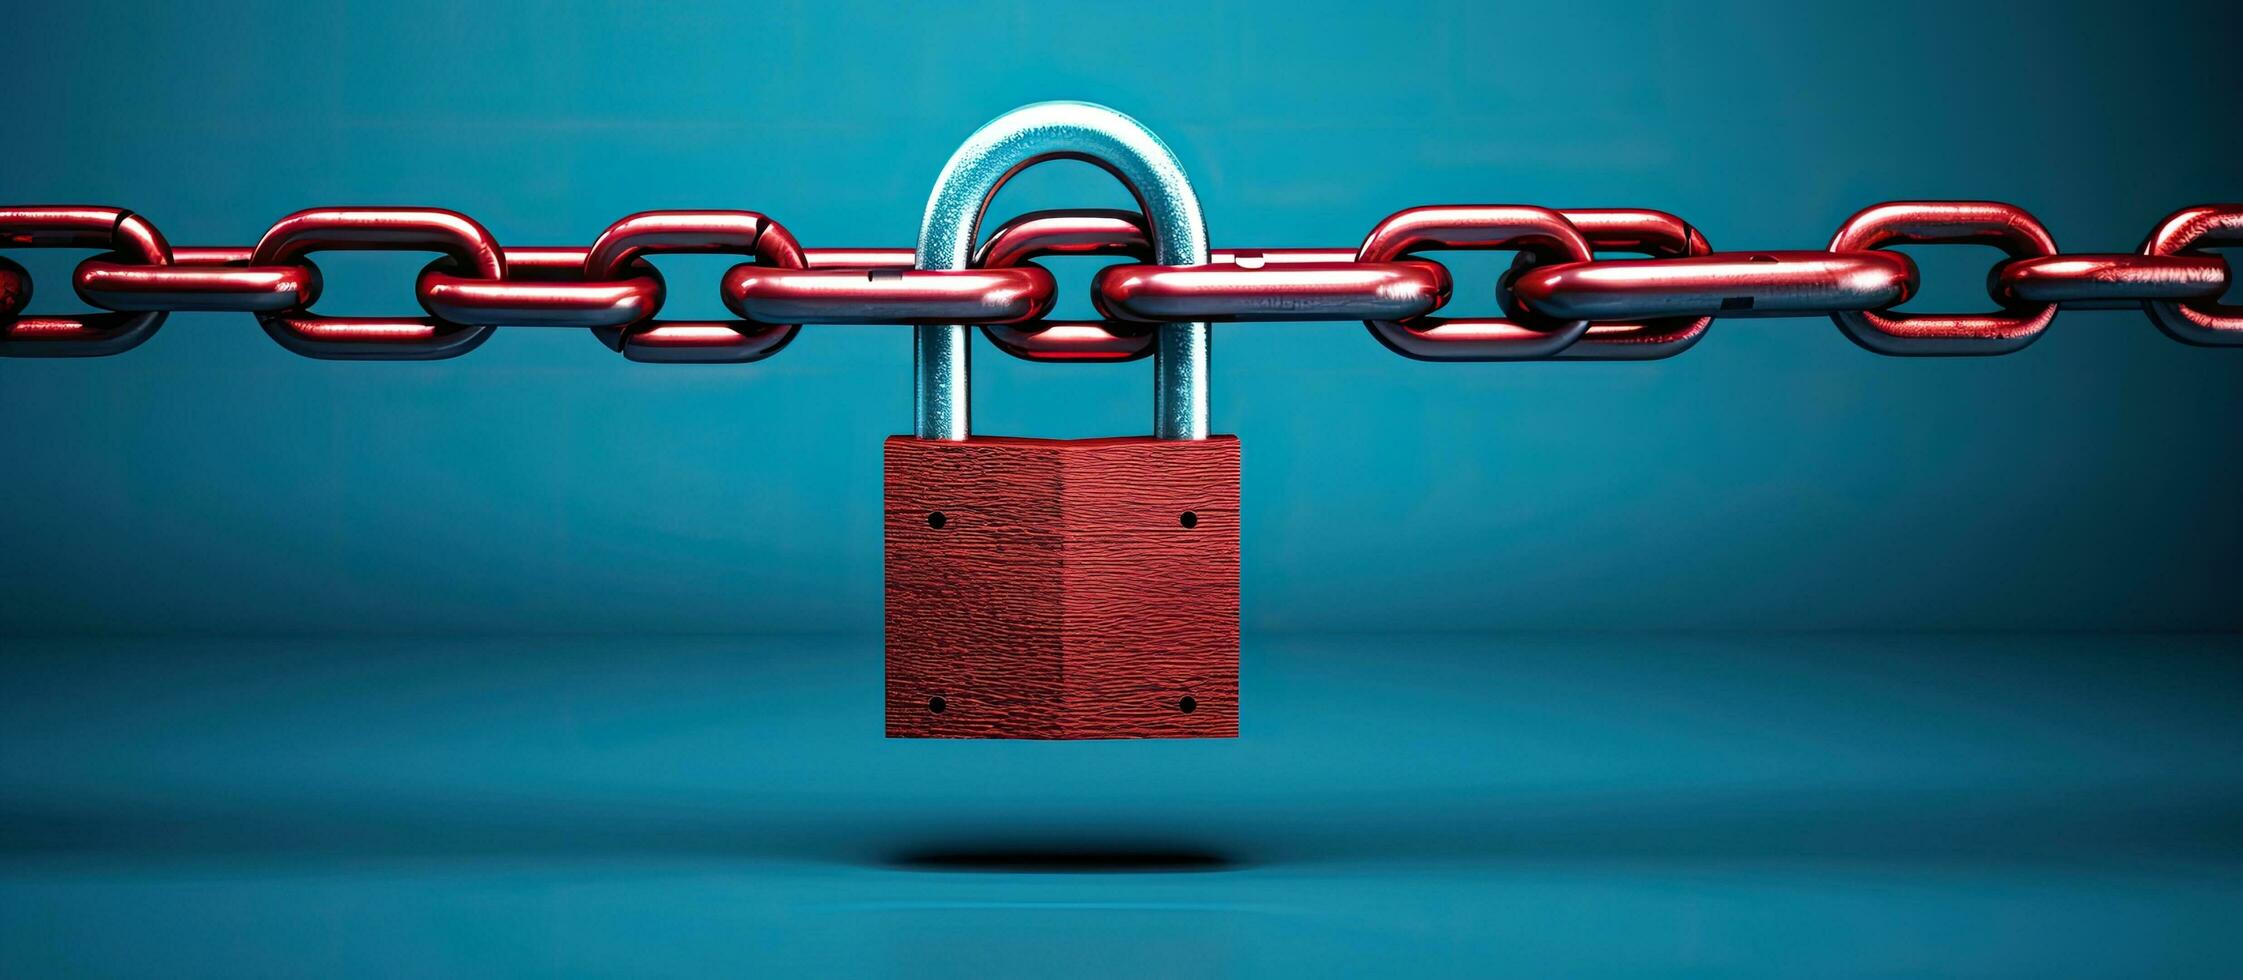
(995, 153)
(1561, 300)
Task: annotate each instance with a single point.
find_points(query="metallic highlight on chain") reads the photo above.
(2002, 226)
(1564, 300)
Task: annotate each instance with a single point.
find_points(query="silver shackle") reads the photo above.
(1008, 145)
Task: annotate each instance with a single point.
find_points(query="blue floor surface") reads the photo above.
(1531, 805)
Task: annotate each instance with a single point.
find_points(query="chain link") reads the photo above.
(1560, 300)
(2002, 226)
(198, 279)
(1638, 337)
(1526, 336)
(543, 287)
(747, 233)
(293, 239)
(2186, 232)
(127, 237)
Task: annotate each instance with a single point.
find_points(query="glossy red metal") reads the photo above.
(81, 226)
(669, 232)
(15, 288)
(127, 236)
(1149, 294)
(1724, 284)
(1654, 233)
(543, 288)
(204, 279)
(1085, 232)
(2001, 226)
(1099, 231)
(989, 296)
(1272, 284)
(1636, 308)
(1088, 231)
(293, 239)
(2204, 323)
(1430, 338)
(2111, 281)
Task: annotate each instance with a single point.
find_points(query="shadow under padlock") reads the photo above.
(1062, 588)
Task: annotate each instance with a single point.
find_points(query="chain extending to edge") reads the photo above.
(1560, 300)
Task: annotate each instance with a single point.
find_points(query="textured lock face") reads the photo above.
(1061, 589)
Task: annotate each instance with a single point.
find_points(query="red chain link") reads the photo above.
(1947, 222)
(1272, 284)
(1528, 336)
(1090, 232)
(882, 295)
(1720, 284)
(1561, 301)
(294, 238)
(669, 232)
(198, 279)
(544, 287)
(2210, 324)
(2109, 282)
(1654, 233)
(125, 235)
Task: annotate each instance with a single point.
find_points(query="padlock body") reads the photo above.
(1068, 589)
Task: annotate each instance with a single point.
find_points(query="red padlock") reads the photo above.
(1051, 588)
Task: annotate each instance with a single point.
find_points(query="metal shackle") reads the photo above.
(1008, 145)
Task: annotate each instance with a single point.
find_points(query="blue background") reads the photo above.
(542, 660)
(1775, 477)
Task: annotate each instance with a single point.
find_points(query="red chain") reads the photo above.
(2197, 323)
(1954, 222)
(1653, 233)
(128, 237)
(297, 236)
(1560, 300)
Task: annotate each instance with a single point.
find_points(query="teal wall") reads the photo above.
(1775, 477)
